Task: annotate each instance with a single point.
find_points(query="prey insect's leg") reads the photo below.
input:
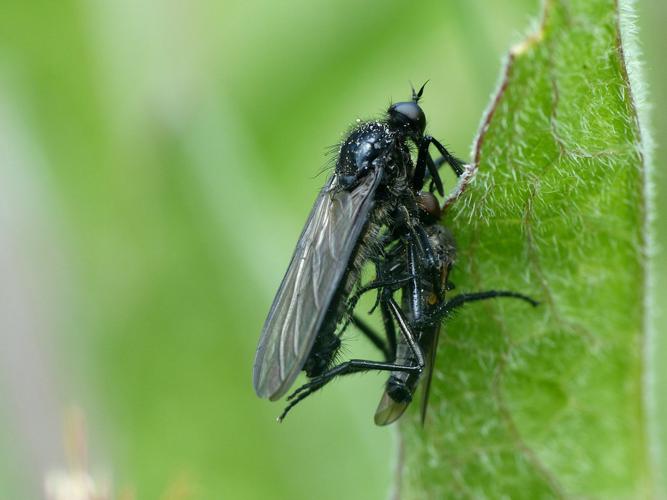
(463, 298)
(446, 308)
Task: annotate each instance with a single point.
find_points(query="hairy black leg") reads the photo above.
(392, 283)
(360, 365)
(406, 331)
(440, 162)
(325, 377)
(446, 308)
(389, 328)
(420, 167)
(425, 161)
(454, 162)
(346, 368)
(372, 335)
(435, 175)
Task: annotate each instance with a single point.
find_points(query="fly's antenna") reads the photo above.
(418, 95)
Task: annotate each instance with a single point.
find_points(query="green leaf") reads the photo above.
(547, 402)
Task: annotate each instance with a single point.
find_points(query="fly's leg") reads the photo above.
(388, 281)
(346, 368)
(446, 308)
(388, 348)
(391, 283)
(406, 331)
(361, 365)
(425, 161)
(386, 285)
(389, 329)
(456, 164)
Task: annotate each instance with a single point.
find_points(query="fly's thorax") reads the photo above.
(369, 146)
(363, 146)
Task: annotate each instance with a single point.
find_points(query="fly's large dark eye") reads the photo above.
(409, 116)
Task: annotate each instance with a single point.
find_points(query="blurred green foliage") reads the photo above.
(165, 155)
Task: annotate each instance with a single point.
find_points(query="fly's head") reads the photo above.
(408, 118)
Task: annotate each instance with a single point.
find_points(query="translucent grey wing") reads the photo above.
(322, 256)
(388, 410)
(432, 336)
(427, 374)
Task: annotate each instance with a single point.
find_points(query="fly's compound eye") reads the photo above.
(408, 116)
(429, 206)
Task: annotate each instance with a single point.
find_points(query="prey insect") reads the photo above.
(424, 306)
(371, 189)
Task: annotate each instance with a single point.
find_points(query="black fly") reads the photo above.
(372, 188)
(371, 209)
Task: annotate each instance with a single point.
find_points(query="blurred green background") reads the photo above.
(157, 162)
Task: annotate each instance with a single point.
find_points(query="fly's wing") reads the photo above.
(321, 258)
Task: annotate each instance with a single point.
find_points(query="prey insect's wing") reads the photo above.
(322, 256)
(430, 345)
(388, 410)
(427, 376)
